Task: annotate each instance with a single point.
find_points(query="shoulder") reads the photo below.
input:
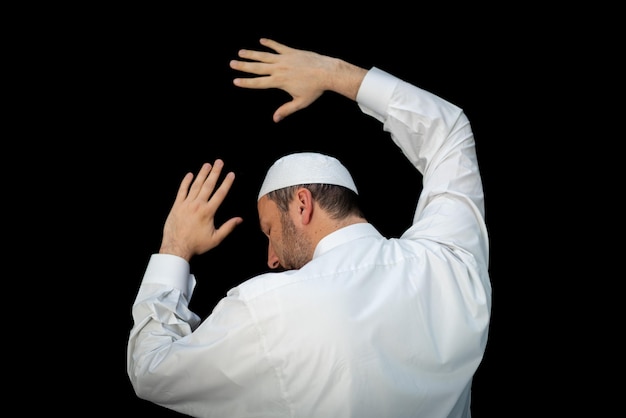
(264, 283)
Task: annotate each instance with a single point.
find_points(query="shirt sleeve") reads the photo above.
(436, 137)
(175, 360)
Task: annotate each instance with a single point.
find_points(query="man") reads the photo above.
(354, 324)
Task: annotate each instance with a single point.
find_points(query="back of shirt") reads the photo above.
(373, 328)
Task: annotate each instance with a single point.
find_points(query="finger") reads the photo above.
(209, 184)
(197, 184)
(221, 192)
(183, 189)
(276, 46)
(258, 56)
(263, 82)
(251, 67)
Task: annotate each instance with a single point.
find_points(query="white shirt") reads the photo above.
(370, 327)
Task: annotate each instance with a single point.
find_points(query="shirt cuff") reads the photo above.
(375, 92)
(170, 270)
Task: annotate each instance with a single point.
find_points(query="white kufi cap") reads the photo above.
(306, 168)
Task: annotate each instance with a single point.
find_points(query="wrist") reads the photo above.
(174, 249)
(348, 78)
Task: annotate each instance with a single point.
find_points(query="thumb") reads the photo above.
(289, 108)
(283, 111)
(228, 227)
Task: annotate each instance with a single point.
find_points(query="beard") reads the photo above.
(296, 246)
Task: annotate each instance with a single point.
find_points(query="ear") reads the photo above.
(304, 202)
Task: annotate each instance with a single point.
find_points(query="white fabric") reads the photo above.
(306, 168)
(371, 327)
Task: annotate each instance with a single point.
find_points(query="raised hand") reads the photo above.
(190, 226)
(304, 75)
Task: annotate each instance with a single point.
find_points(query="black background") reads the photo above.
(141, 97)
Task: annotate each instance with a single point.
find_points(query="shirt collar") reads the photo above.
(343, 235)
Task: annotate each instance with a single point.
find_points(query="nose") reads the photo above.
(272, 258)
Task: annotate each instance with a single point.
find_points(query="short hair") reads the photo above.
(340, 202)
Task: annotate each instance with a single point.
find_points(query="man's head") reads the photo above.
(304, 197)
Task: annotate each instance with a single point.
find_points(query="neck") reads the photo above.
(328, 226)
